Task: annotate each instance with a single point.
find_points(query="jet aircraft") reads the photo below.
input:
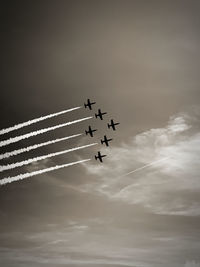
(90, 131)
(112, 124)
(99, 156)
(89, 104)
(105, 140)
(100, 114)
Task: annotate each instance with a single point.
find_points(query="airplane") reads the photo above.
(90, 131)
(100, 114)
(105, 140)
(89, 104)
(112, 124)
(99, 157)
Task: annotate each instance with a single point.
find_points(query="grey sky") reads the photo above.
(139, 60)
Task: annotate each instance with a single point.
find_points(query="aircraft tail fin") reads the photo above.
(86, 132)
(95, 157)
(96, 115)
(108, 126)
(102, 142)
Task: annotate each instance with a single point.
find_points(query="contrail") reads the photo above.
(27, 123)
(20, 137)
(138, 169)
(30, 174)
(145, 166)
(29, 148)
(28, 161)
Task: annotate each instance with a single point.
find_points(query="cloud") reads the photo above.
(168, 187)
(192, 264)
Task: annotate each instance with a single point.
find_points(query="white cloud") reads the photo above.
(168, 187)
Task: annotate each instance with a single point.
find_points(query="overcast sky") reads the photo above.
(139, 60)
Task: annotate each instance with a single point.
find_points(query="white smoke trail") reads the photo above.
(28, 161)
(145, 166)
(20, 137)
(29, 148)
(27, 123)
(30, 174)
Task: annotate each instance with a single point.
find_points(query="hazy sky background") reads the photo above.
(139, 60)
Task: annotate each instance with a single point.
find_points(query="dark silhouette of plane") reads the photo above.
(90, 131)
(89, 104)
(100, 114)
(99, 156)
(105, 140)
(112, 124)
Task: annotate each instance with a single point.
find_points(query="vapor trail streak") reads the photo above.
(20, 137)
(27, 123)
(145, 166)
(30, 174)
(29, 148)
(28, 161)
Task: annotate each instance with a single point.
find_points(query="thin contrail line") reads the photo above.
(27, 123)
(20, 137)
(138, 169)
(145, 166)
(28, 161)
(29, 148)
(30, 174)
